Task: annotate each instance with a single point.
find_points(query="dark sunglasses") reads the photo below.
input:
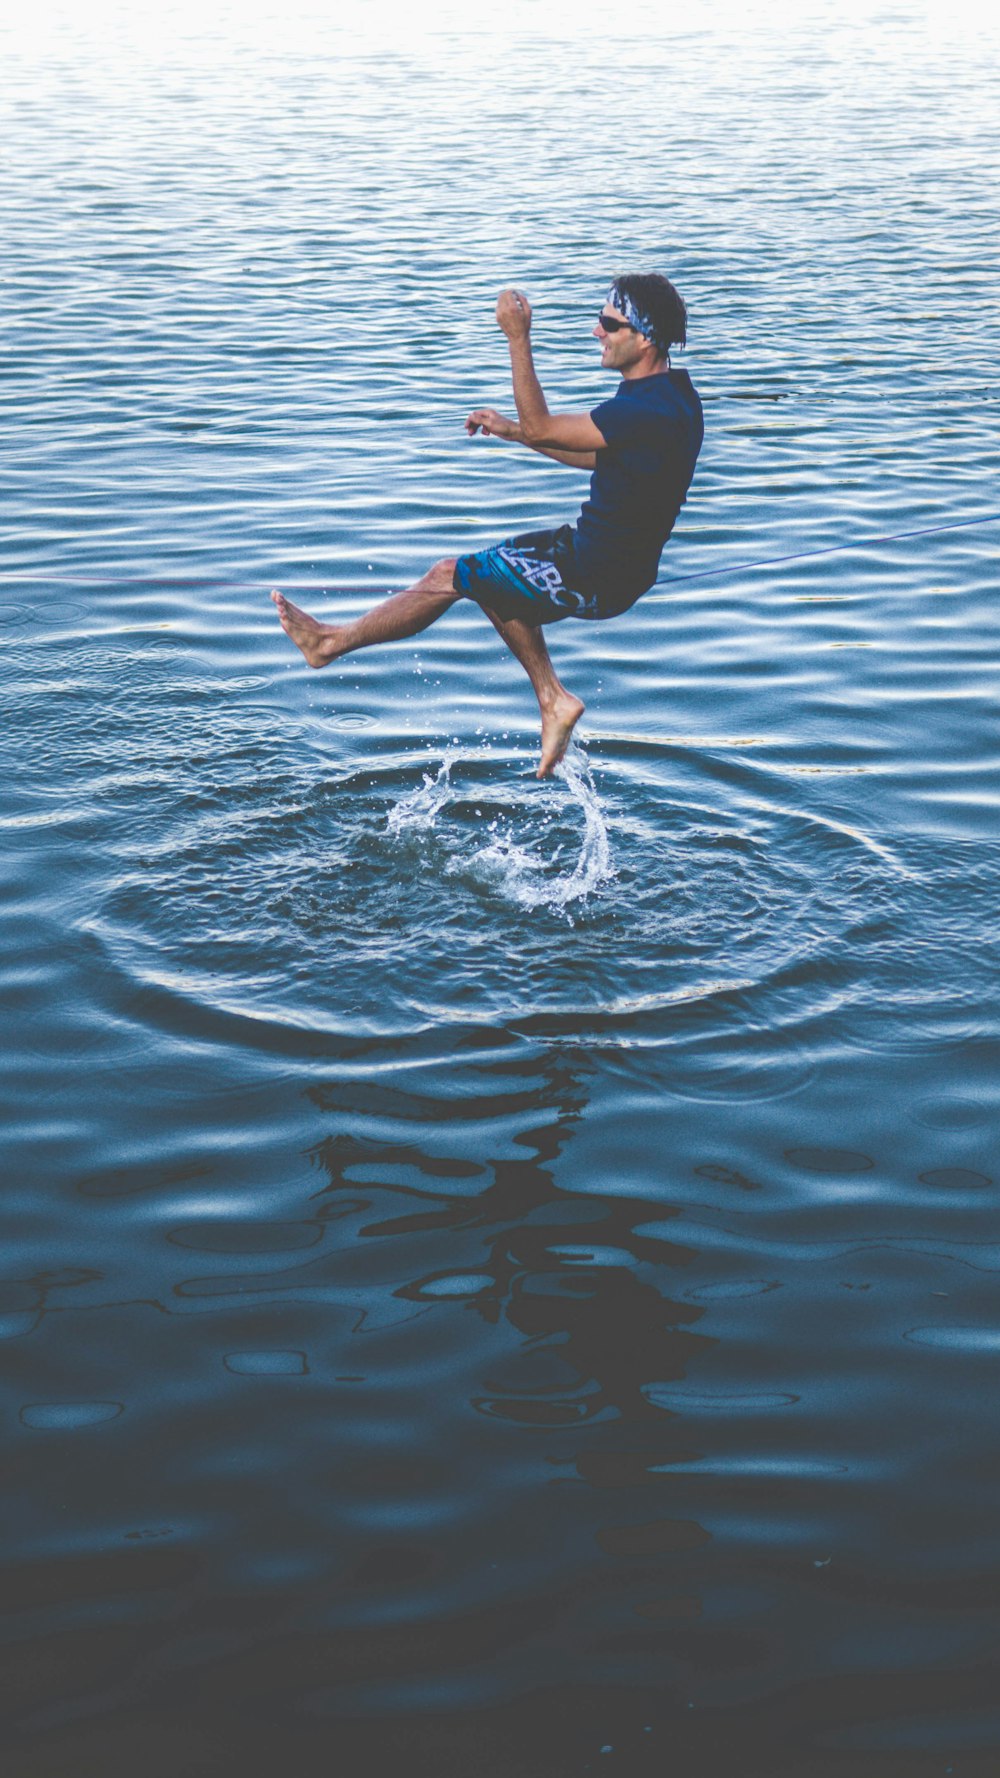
(611, 323)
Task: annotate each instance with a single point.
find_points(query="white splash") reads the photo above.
(528, 861)
(420, 809)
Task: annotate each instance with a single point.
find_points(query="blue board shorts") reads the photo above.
(525, 577)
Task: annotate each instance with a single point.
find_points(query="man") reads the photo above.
(641, 448)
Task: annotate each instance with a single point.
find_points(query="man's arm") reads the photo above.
(493, 425)
(539, 429)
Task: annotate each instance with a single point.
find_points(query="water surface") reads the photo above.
(498, 1276)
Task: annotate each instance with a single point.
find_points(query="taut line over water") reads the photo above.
(316, 586)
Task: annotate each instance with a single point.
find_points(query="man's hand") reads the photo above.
(491, 424)
(514, 314)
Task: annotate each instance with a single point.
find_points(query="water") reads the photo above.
(498, 1276)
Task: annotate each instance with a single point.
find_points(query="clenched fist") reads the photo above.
(514, 314)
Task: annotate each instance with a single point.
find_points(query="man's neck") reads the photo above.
(632, 372)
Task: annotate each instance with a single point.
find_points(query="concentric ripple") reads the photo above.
(419, 887)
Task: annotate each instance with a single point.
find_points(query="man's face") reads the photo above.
(621, 347)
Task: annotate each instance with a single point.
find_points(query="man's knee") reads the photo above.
(440, 578)
(444, 572)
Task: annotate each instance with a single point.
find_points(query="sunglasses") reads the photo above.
(611, 323)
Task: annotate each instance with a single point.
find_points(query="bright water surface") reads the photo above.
(498, 1278)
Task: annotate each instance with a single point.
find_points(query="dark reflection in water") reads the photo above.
(435, 1523)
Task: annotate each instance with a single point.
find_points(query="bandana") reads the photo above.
(634, 316)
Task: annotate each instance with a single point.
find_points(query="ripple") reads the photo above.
(61, 612)
(17, 616)
(245, 1237)
(955, 1179)
(776, 1467)
(733, 1291)
(453, 1285)
(949, 1112)
(384, 875)
(841, 1161)
(984, 1340)
(69, 1416)
(689, 1401)
(267, 1364)
(351, 719)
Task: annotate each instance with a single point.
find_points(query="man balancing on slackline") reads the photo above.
(641, 447)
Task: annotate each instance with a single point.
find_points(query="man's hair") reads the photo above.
(656, 300)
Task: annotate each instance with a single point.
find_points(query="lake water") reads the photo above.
(498, 1278)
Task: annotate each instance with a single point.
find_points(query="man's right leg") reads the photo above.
(560, 710)
(403, 614)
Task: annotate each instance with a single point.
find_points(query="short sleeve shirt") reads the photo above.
(654, 430)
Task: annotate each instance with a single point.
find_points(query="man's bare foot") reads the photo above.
(558, 723)
(319, 643)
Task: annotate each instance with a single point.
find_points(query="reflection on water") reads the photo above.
(480, 1421)
(498, 1277)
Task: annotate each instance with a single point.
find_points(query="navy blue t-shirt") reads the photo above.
(654, 429)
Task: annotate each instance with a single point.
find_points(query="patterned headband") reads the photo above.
(634, 316)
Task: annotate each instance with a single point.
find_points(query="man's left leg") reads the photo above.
(401, 615)
(560, 710)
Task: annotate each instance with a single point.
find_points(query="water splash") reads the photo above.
(549, 848)
(418, 811)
